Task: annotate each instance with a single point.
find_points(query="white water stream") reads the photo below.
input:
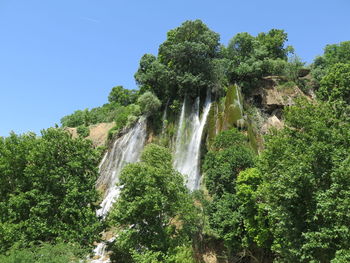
(188, 142)
(126, 149)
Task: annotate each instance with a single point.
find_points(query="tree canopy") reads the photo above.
(306, 186)
(47, 190)
(184, 65)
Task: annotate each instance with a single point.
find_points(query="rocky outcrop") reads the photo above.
(271, 122)
(98, 133)
(274, 94)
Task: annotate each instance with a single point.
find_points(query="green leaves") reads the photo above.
(251, 58)
(229, 156)
(122, 96)
(335, 85)
(154, 211)
(44, 253)
(305, 188)
(149, 103)
(185, 63)
(53, 196)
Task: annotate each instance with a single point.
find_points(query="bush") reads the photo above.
(155, 201)
(122, 96)
(83, 131)
(59, 253)
(149, 103)
(335, 85)
(75, 119)
(47, 189)
(229, 155)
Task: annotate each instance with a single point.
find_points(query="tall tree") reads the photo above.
(154, 210)
(306, 184)
(48, 189)
(335, 85)
(184, 64)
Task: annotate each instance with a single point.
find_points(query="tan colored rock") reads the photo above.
(210, 257)
(272, 122)
(275, 93)
(98, 133)
(72, 131)
(280, 97)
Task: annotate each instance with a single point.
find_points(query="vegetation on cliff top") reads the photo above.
(289, 204)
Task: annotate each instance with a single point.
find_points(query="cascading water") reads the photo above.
(126, 149)
(164, 117)
(188, 142)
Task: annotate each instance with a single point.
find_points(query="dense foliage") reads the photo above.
(289, 204)
(119, 99)
(333, 54)
(44, 253)
(251, 58)
(122, 96)
(154, 210)
(335, 85)
(184, 65)
(228, 156)
(47, 189)
(306, 184)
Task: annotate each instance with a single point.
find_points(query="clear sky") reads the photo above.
(57, 56)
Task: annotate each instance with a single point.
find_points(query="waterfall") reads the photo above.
(125, 149)
(100, 252)
(164, 117)
(188, 142)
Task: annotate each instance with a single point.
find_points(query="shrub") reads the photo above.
(83, 131)
(149, 103)
(59, 253)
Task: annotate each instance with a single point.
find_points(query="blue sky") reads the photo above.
(60, 56)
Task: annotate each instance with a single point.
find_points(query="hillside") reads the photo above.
(236, 153)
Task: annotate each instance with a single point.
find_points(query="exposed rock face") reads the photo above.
(72, 131)
(272, 122)
(98, 133)
(272, 96)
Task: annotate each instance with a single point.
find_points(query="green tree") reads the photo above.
(306, 186)
(335, 85)
(333, 54)
(122, 96)
(251, 58)
(274, 42)
(185, 63)
(76, 119)
(252, 209)
(149, 103)
(228, 156)
(154, 76)
(337, 53)
(49, 195)
(154, 210)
